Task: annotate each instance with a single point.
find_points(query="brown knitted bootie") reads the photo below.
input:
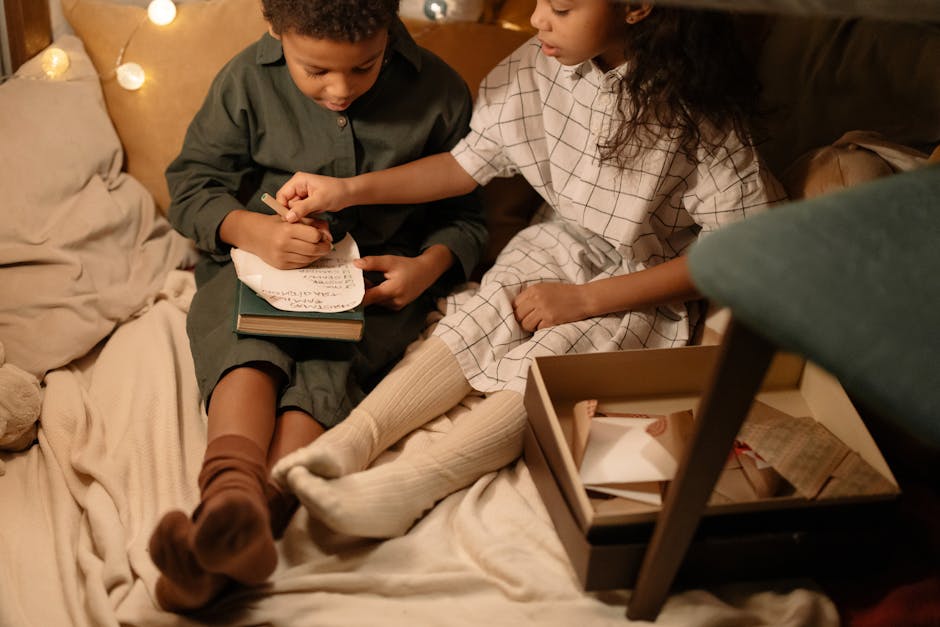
(281, 505)
(183, 585)
(231, 531)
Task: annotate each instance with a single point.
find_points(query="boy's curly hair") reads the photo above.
(338, 20)
(685, 68)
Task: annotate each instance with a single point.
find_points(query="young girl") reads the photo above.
(630, 122)
(330, 90)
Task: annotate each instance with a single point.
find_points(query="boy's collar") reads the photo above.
(399, 40)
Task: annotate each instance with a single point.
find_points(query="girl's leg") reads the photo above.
(424, 384)
(384, 501)
(294, 430)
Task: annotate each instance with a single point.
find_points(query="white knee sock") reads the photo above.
(384, 501)
(424, 385)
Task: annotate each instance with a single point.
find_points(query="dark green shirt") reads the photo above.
(256, 129)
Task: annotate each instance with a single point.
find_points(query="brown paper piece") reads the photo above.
(583, 412)
(732, 487)
(673, 432)
(856, 477)
(803, 451)
(765, 481)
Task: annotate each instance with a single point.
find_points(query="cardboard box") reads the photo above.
(606, 537)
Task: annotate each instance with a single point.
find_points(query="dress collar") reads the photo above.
(589, 68)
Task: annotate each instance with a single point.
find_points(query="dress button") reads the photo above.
(341, 121)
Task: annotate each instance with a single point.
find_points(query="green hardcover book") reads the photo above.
(256, 316)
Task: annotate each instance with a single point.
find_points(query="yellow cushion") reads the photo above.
(454, 41)
(515, 14)
(180, 60)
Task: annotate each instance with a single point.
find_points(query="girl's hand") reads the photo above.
(305, 194)
(406, 278)
(545, 305)
(288, 245)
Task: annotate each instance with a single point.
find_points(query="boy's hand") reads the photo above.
(305, 194)
(288, 246)
(406, 278)
(544, 305)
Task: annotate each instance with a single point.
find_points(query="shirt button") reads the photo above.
(341, 121)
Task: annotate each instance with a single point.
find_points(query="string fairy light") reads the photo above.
(436, 9)
(55, 61)
(161, 12)
(131, 76)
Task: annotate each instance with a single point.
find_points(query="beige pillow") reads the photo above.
(81, 247)
(180, 60)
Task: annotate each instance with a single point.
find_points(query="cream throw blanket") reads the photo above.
(121, 441)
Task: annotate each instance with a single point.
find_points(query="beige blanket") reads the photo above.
(121, 441)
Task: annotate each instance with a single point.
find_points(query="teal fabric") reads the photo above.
(850, 280)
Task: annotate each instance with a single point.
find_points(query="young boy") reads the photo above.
(336, 87)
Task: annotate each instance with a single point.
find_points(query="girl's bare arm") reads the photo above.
(424, 180)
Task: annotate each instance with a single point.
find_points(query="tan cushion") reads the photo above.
(856, 157)
(832, 168)
(180, 60)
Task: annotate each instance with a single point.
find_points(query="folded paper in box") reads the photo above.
(628, 454)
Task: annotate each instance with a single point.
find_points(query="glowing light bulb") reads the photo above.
(161, 12)
(130, 76)
(435, 9)
(54, 62)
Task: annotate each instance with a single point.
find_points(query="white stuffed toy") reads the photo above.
(19, 407)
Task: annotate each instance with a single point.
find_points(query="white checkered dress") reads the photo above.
(544, 120)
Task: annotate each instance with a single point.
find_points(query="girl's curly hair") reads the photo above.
(685, 68)
(338, 20)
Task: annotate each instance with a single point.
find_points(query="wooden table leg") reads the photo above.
(742, 363)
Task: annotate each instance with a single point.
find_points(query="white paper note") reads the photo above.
(332, 283)
(619, 450)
